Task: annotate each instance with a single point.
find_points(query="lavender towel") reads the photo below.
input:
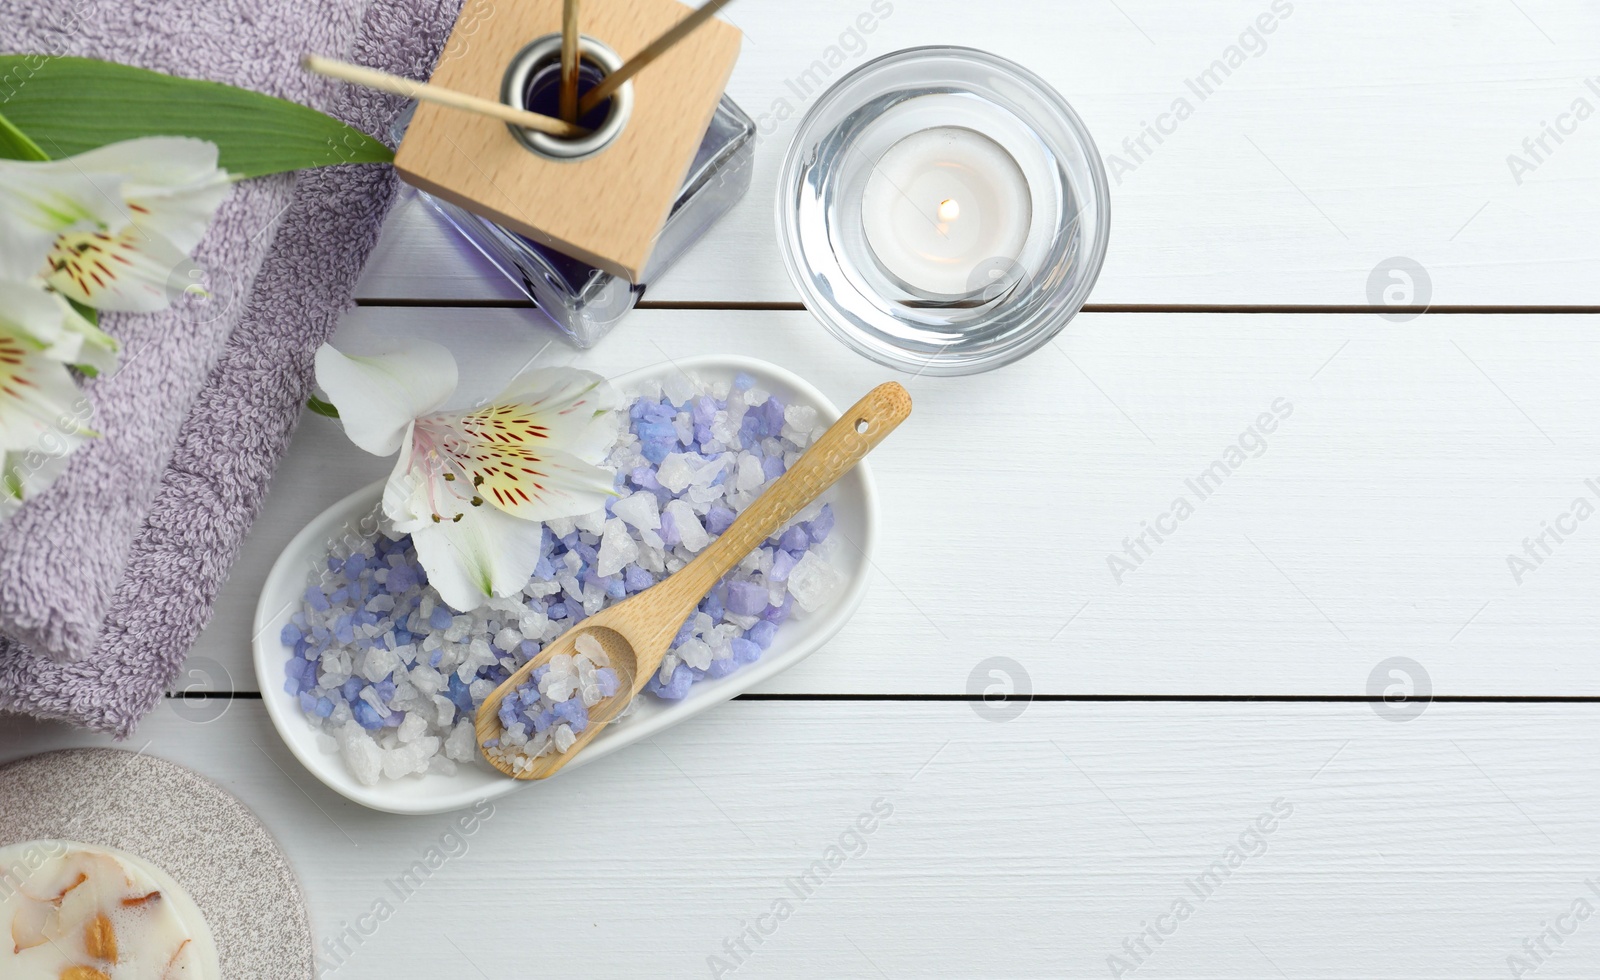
(62, 555)
(242, 421)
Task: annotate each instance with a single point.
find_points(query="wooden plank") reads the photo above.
(1377, 522)
(1350, 134)
(1031, 848)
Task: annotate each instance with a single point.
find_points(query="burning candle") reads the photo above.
(944, 208)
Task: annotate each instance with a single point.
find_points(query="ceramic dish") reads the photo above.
(854, 504)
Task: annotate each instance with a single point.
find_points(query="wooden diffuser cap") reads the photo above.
(605, 209)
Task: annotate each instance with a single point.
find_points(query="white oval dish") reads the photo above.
(855, 510)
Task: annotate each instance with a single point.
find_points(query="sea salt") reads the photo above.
(379, 663)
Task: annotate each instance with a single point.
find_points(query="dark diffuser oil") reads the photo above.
(543, 93)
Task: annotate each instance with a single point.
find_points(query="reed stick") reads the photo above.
(569, 61)
(652, 51)
(396, 85)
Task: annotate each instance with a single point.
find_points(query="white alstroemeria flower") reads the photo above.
(472, 487)
(43, 416)
(111, 228)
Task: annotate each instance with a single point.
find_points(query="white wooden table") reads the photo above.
(1225, 684)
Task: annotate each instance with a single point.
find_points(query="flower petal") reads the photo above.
(379, 396)
(485, 553)
(564, 408)
(532, 483)
(130, 271)
(49, 320)
(40, 405)
(39, 201)
(170, 185)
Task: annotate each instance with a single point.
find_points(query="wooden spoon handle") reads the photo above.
(858, 431)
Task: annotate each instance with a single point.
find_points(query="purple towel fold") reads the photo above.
(62, 554)
(242, 420)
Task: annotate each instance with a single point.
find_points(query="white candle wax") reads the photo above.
(945, 206)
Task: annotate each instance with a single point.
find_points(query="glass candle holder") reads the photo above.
(586, 302)
(943, 211)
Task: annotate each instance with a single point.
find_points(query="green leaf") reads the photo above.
(16, 146)
(321, 407)
(87, 312)
(67, 106)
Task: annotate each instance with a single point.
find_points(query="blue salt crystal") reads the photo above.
(782, 564)
(761, 634)
(570, 541)
(747, 598)
(435, 657)
(351, 688)
(324, 707)
(719, 519)
(355, 565)
(333, 564)
(712, 606)
(343, 631)
(573, 713)
(557, 610)
(607, 681)
(772, 467)
(743, 382)
(588, 552)
(752, 428)
(339, 595)
(777, 614)
(722, 668)
(491, 743)
(705, 409)
(537, 674)
(308, 702)
(292, 685)
(440, 618)
(317, 599)
(401, 579)
(385, 689)
(819, 528)
(669, 530)
(644, 478)
(576, 611)
(544, 570)
(745, 651)
(772, 412)
(393, 719)
(702, 433)
(795, 539)
(459, 695)
(678, 687)
(615, 587)
(636, 579)
(544, 720)
(290, 635)
(652, 685)
(366, 715)
(507, 713)
(527, 649)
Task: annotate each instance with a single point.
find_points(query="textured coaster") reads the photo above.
(184, 824)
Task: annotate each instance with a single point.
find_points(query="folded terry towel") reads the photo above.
(243, 419)
(63, 553)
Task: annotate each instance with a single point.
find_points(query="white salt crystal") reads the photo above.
(640, 509)
(684, 426)
(593, 521)
(361, 754)
(592, 650)
(813, 581)
(695, 653)
(462, 744)
(617, 547)
(675, 472)
(560, 526)
(669, 663)
(563, 737)
(531, 623)
(679, 388)
(444, 711)
(507, 639)
(690, 531)
(412, 726)
(756, 396)
(750, 476)
(800, 417)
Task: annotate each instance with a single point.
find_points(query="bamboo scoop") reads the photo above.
(636, 632)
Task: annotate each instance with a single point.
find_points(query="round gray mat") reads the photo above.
(183, 823)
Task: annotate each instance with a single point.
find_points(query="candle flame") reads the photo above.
(949, 209)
